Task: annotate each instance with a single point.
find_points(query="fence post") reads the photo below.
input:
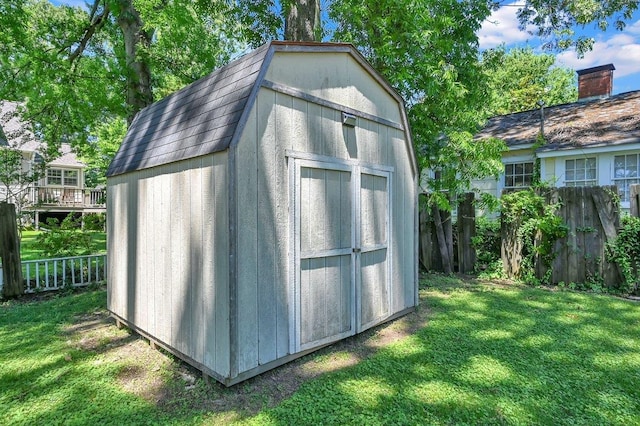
(511, 246)
(466, 231)
(634, 198)
(425, 233)
(10, 251)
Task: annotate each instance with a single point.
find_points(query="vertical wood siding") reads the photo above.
(279, 122)
(168, 256)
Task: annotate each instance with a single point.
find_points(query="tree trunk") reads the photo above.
(10, 252)
(303, 21)
(137, 41)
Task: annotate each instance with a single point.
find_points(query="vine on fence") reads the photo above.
(625, 252)
(487, 244)
(539, 230)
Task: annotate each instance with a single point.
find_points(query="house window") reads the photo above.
(580, 172)
(70, 178)
(54, 177)
(625, 172)
(61, 177)
(518, 175)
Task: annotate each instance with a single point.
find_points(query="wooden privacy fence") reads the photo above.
(443, 247)
(592, 219)
(54, 274)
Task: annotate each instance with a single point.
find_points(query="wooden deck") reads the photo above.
(44, 198)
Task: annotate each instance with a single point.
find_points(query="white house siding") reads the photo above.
(488, 185)
(547, 170)
(168, 245)
(280, 123)
(554, 164)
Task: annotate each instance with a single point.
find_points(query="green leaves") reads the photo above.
(554, 20)
(538, 228)
(519, 79)
(625, 251)
(71, 67)
(428, 51)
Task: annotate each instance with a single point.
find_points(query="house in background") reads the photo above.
(594, 141)
(61, 189)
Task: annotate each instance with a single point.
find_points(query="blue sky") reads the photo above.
(620, 48)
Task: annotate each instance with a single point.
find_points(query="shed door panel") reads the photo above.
(374, 265)
(341, 240)
(325, 248)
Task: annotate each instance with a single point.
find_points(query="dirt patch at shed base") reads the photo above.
(171, 384)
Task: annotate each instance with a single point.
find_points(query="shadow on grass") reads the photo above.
(472, 353)
(490, 355)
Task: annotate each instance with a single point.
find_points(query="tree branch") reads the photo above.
(97, 22)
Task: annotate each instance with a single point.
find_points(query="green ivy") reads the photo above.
(625, 252)
(536, 179)
(487, 243)
(539, 229)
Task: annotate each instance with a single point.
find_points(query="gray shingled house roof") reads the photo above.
(14, 132)
(197, 120)
(589, 124)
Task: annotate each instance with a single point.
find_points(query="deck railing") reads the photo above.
(62, 272)
(68, 197)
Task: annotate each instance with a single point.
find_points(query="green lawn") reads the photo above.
(29, 247)
(486, 354)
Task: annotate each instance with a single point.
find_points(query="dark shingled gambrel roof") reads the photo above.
(589, 124)
(197, 120)
(208, 115)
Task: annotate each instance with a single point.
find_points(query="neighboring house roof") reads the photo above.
(14, 132)
(67, 158)
(587, 124)
(207, 115)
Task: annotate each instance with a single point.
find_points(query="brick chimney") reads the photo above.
(596, 82)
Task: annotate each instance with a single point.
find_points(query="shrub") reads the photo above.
(64, 239)
(487, 243)
(94, 222)
(625, 252)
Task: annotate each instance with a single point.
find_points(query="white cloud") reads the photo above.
(622, 50)
(502, 27)
(633, 28)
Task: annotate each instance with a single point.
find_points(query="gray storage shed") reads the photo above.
(265, 211)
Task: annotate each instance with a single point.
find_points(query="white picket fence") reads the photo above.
(56, 273)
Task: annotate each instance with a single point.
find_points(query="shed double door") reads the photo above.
(341, 260)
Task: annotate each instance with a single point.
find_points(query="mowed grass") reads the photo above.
(48, 376)
(487, 354)
(30, 250)
(490, 355)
